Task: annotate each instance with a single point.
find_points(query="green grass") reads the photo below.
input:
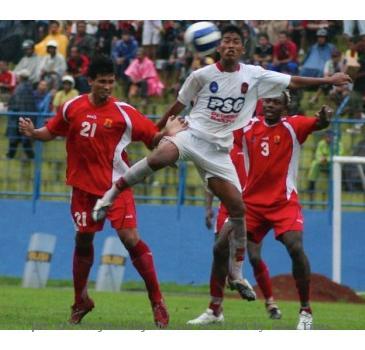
(48, 308)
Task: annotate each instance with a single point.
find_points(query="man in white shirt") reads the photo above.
(225, 96)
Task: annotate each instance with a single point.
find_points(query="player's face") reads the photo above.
(273, 108)
(102, 86)
(230, 47)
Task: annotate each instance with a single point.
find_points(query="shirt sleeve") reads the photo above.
(303, 126)
(189, 89)
(58, 125)
(143, 129)
(271, 84)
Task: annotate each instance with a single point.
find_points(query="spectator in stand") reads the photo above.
(83, 41)
(176, 62)
(317, 56)
(54, 34)
(248, 44)
(263, 51)
(322, 158)
(273, 29)
(77, 66)
(67, 93)
(359, 83)
(29, 61)
(334, 65)
(42, 97)
(349, 28)
(296, 30)
(311, 30)
(22, 100)
(151, 36)
(284, 55)
(143, 77)
(123, 52)
(53, 66)
(168, 38)
(105, 34)
(7, 82)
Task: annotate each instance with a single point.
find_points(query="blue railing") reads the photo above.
(178, 192)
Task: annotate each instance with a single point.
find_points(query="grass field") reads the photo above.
(48, 308)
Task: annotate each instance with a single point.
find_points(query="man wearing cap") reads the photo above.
(53, 66)
(317, 56)
(54, 33)
(29, 61)
(67, 93)
(22, 100)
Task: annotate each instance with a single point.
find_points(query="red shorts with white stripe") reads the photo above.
(259, 220)
(283, 218)
(122, 214)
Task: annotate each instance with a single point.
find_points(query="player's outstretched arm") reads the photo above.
(297, 82)
(175, 109)
(26, 127)
(324, 116)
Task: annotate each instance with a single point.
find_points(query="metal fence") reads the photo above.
(36, 170)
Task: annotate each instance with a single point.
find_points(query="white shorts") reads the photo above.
(208, 159)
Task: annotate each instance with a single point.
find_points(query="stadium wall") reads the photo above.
(180, 242)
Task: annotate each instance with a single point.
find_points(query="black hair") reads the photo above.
(263, 35)
(230, 28)
(100, 65)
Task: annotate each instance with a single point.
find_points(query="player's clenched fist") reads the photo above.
(26, 126)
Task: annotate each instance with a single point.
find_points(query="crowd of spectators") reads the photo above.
(47, 61)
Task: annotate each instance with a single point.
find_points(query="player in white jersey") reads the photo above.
(225, 96)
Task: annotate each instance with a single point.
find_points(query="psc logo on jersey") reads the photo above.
(227, 105)
(213, 87)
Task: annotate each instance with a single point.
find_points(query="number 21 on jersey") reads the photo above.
(265, 151)
(88, 129)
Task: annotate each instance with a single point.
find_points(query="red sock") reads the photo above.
(82, 262)
(143, 262)
(303, 288)
(262, 277)
(216, 292)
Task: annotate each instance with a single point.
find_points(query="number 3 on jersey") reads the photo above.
(265, 148)
(88, 129)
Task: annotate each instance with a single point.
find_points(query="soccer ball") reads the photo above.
(202, 37)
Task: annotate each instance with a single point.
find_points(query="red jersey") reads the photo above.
(96, 139)
(8, 78)
(271, 156)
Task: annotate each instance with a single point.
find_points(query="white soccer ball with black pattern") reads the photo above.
(202, 37)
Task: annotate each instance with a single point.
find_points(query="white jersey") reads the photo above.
(225, 101)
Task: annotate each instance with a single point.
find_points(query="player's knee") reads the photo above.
(236, 208)
(295, 248)
(129, 237)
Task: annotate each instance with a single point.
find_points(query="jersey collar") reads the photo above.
(221, 69)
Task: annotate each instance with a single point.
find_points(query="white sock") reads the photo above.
(237, 247)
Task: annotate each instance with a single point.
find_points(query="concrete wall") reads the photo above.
(181, 245)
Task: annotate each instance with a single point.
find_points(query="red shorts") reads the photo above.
(122, 214)
(287, 217)
(284, 218)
